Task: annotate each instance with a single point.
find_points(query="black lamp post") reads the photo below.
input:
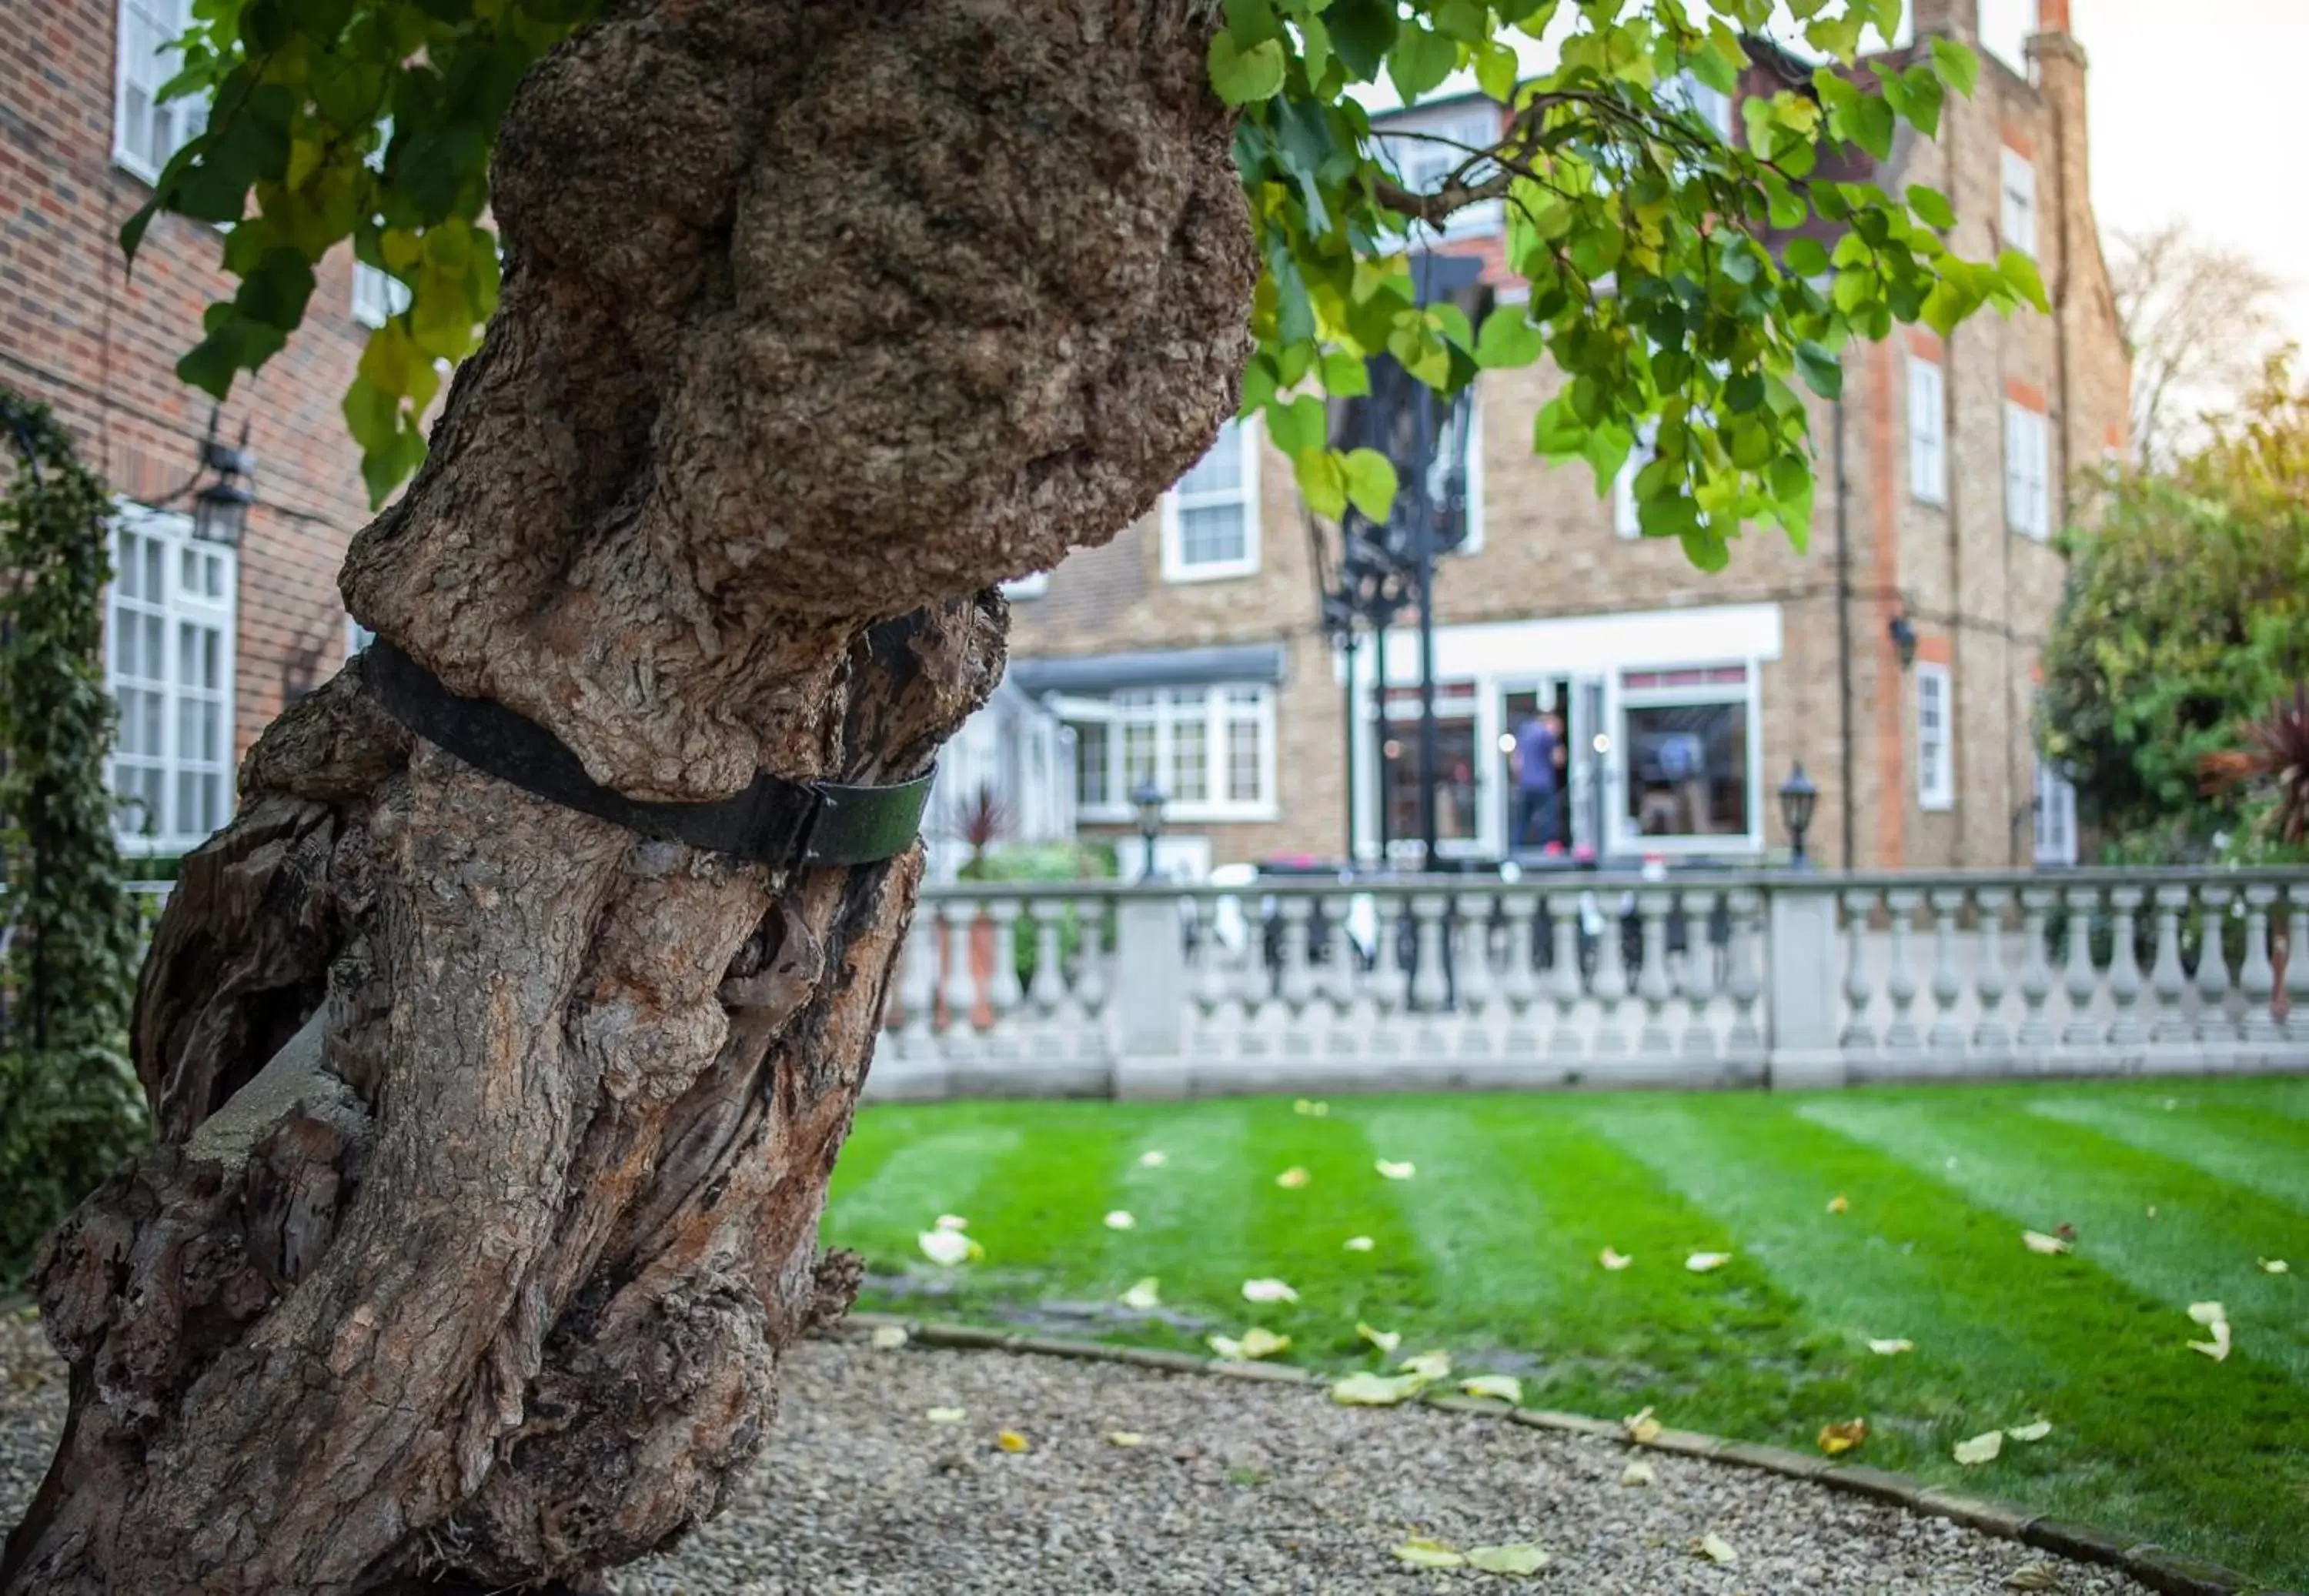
(1798, 798)
(1148, 798)
(1904, 639)
(221, 508)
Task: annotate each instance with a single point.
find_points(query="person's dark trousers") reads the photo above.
(1536, 822)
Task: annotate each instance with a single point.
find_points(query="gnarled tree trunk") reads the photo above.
(493, 1137)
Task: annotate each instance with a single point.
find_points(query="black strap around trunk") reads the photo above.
(784, 823)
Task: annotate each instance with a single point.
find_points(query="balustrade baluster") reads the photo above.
(1431, 983)
(1611, 984)
(918, 1039)
(2297, 972)
(1381, 1002)
(1697, 1045)
(1902, 1038)
(2257, 979)
(1946, 1039)
(2217, 1033)
(2034, 1043)
(1859, 1034)
(1476, 987)
(2171, 1033)
(1564, 1043)
(2127, 1038)
(1297, 985)
(1653, 1042)
(959, 989)
(1335, 992)
(2081, 1036)
(1992, 1043)
(1519, 987)
(1744, 1044)
(1003, 992)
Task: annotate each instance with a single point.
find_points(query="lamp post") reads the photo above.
(1148, 799)
(1903, 633)
(1798, 798)
(221, 508)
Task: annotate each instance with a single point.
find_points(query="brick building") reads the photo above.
(205, 643)
(1187, 649)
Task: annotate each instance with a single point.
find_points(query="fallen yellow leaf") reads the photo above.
(949, 1248)
(2272, 1265)
(1517, 1559)
(1716, 1549)
(1836, 1205)
(1638, 1473)
(1428, 1365)
(1886, 1348)
(1368, 1390)
(947, 1415)
(2036, 1241)
(1154, 1158)
(1124, 1437)
(1702, 1263)
(2034, 1576)
(887, 1336)
(1386, 1340)
(1613, 1261)
(1293, 1178)
(1837, 1439)
(2031, 1432)
(1506, 1387)
(1641, 1426)
(1311, 1107)
(1259, 1342)
(1421, 1552)
(2215, 1318)
(1397, 1171)
(1359, 1243)
(1144, 1295)
(1121, 1220)
(1268, 1290)
(1010, 1440)
(950, 1221)
(1980, 1449)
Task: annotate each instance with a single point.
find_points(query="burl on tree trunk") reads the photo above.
(492, 1138)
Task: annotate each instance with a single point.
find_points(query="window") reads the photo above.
(1425, 146)
(1687, 93)
(1625, 520)
(1457, 767)
(1033, 585)
(377, 295)
(1210, 749)
(169, 658)
(2028, 508)
(1210, 519)
(2020, 202)
(1463, 497)
(2056, 816)
(1935, 741)
(1927, 433)
(1684, 741)
(144, 132)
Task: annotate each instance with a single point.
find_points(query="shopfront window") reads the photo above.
(1684, 737)
(1457, 753)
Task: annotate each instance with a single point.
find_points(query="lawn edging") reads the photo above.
(2169, 1571)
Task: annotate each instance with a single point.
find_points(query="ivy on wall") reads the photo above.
(70, 1108)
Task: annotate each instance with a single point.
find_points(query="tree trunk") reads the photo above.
(491, 1137)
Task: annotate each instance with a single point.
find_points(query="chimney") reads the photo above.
(2052, 16)
(1957, 19)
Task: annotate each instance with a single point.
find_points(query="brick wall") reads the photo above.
(100, 344)
(1979, 595)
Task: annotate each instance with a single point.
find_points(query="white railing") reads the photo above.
(1293, 986)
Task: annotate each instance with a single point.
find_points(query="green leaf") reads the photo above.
(1807, 257)
(1508, 339)
(1297, 425)
(1496, 71)
(1959, 67)
(1822, 372)
(1517, 1559)
(1419, 61)
(2020, 271)
(1931, 205)
(1345, 375)
(1241, 76)
(1371, 482)
(1322, 479)
(1363, 32)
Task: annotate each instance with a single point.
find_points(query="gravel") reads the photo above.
(1249, 1489)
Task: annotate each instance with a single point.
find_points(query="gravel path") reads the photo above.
(1238, 1488)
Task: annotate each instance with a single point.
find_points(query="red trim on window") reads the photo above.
(2028, 396)
(2017, 140)
(1925, 344)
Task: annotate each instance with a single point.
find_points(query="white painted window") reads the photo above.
(2056, 816)
(1935, 739)
(1210, 519)
(1426, 146)
(1686, 758)
(2019, 208)
(1927, 432)
(377, 295)
(2028, 446)
(1685, 92)
(168, 662)
(144, 132)
(1211, 750)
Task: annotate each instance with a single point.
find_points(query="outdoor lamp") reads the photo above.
(221, 508)
(1149, 800)
(1798, 798)
(1904, 639)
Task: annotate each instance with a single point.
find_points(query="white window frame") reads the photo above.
(1175, 566)
(141, 70)
(1420, 163)
(2018, 205)
(1936, 745)
(177, 604)
(1625, 837)
(2056, 815)
(1927, 431)
(2027, 469)
(1218, 711)
(378, 295)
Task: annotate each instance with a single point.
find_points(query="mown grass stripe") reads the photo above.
(2201, 1246)
(2264, 1160)
(926, 1174)
(2148, 1435)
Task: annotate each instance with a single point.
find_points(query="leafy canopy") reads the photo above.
(1642, 234)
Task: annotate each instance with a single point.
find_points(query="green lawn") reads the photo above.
(1490, 1249)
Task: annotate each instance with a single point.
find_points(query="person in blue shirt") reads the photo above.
(1539, 780)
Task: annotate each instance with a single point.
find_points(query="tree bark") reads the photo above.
(492, 1138)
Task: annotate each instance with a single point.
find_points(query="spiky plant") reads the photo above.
(2276, 752)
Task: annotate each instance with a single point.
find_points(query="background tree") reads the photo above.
(2199, 320)
(492, 1138)
(2185, 616)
